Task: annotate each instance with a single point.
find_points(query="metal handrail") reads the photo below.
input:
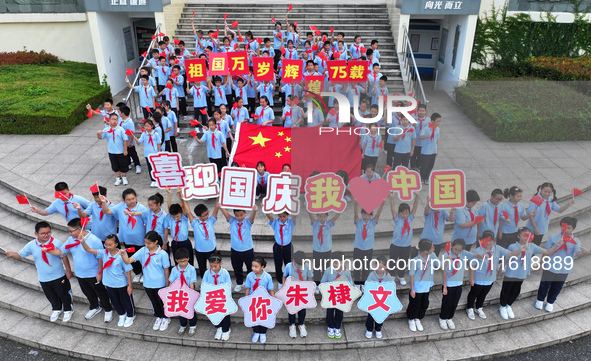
(411, 71)
(137, 76)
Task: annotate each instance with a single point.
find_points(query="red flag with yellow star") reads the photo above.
(255, 143)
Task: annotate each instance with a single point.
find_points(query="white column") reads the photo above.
(95, 34)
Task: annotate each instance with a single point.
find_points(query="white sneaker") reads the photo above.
(331, 332)
(292, 331)
(481, 313)
(108, 317)
(451, 325)
(192, 330)
(303, 330)
(136, 278)
(181, 330)
(91, 313)
(549, 307)
(337, 333)
(138, 169)
(419, 325)
(238, 288)
(503, 312)
(317, 290)
(378, 334)
(130, 166)
(118, 181)
(402, 281)
(255, 337)
(157, 324)
(55, 315)
(164, 324)
(442, 324)
(510, 312)
(539, 304)
(470, 312)
(142, 278)
(121, 320)
(125, 182)
(226, 335)
(279, 285)
(128, 321)
(154, 184)
(263, 337)
(368, 334)
(412, 325)
(68, 315)
(218, 334)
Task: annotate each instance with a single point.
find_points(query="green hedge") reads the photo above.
(526, 111)
(48, 99)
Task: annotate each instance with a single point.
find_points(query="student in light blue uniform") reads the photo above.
(167, 126)
(186, 272)
(146, 93)
(317, 117)
(430, 136)
(334, 317)
(255, 279)
(152, 144)
(266, 89)
(355, 48)
(217, 275)
(213, 139)
(492, 209)
(435, 224)
(102, 224)
(117, 148)
(162, 73)
(465, 226)
(422, 121)
(241, 245)
(538, 225)
(264, 114)
(516, 212)
(282, 250)
(239, 114)
(379, 275)
(155, 216)
(65, 208)
(199, 93)
(421, 271)
(455, 263)
(171, 114)
(301, 272)
(204, 233)
(131, 228)
(405, 141)
(562, 263)
(171, 94)
(321, 241)
(129, 127)
(218, 89)
(176, 223)
(370, 145)
(53, 272)
(369, 174)
(403, 232)
(364, 239)
(116, 276)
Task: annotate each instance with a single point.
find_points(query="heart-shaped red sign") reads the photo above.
(369, 195)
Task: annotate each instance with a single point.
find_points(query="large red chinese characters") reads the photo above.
(167, 169)
(216, 302)
(178, 300)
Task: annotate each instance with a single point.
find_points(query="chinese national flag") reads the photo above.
(21, 199)
(94, 188)
(238, 63)
(196, 70)
(255, 143)
(218, 64)
(263, 69)
(292, 70)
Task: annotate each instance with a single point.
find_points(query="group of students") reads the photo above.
(126, 237)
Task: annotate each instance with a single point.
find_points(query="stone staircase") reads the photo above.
(24, 311)
(371, 21)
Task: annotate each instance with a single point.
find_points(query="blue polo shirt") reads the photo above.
(404, 143)
(150, 147)
(359, 242)
(115, 145)
(223, 276)
(542, 218)
(286, 228)
(462, 216)
(402, 240)
(457, 265)
(429, 145)
(59, 206)
(482, 275)
(331, 275)
(559, 258)
(209, 138)
(199, 97)
(326, 245)
(508, 228)
(374, 277)
(183, 223)
(421, 124)
(219, 94)
(148, 219)
(244, 243)
(189, 272)
(422, 270)
(85, 264)
(489, 223)
(154, 276)
(101, 228)
(371, 148)
(521, 266)
(45, 272)
(431, 233)
(147, 95)
(114, 276)
(292, 270)
(128, 234)
(204, 243)
(265, 281)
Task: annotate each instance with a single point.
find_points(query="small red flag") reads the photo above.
(332, 111)
(537, 200)
(84, 221)
(255, 116)
(169, 86)
(215, 35)
(577, 192)
(563, 227)
(22, 199)
(259, 40)
(530, 237)
(411, 94)
(162, 54)
(323, 38)
(60, 195)
(94, 188)
(176, 41)
(193, 133)
(279, 35)
(336, 55)
(318, 32)
(295, 101)
(225, 16)
(153, 37)
(161, 34)
(234, 24)
(448, 247)
(193, 13)
(484, 241)
(130, 249)
(506, 214)
(129, 132)
(235, 46)
(148, 109)
(282, 51)
(396, 94)
(387, 169)
(273, 19)
(331, 29)
(295, 24)
(290, 7)
(141, 128)
(129, 72)
(89, 113)
(362, 50)
(145, 54)
(315, 48)
(194, 123)
(312, 27)
(478, 219)
(240, 38)
(203, 111)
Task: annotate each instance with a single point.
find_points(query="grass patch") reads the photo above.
(48, 99)
(527, 111)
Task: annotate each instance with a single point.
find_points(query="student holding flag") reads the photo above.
(545, 202)
(63, 204)
(53, 277)
(102, 224)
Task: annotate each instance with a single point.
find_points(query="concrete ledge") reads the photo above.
(43, 18)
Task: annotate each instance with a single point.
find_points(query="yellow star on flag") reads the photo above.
(287, 149)
(259, 139)
(280, 134)
(278, 155)
(288, 139)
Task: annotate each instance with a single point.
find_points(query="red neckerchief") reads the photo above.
(72, 245)
(205, 230)
(256, 283)
(453, 263)
(364, 232)
(215, 277)
(516, 215)
(176, 230)
(112, 130)
(320, 234)
(496, 214)
(109, 262)
(198, 91)
(49, 246)
(548, 209)
(436, 219)
(299, 272)
(149, 258)
(240, 231)
(490, 261)
(564, 247)
(432, 126)
(154, 222)
(405, 228)
(426, 266)
(281, 233)
(183, 279)
(471, 218)
(151, 141)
